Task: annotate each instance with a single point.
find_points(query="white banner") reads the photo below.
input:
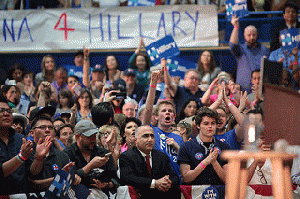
(107, 28)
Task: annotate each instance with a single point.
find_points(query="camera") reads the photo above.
(223, 79)
(101, 175)
(121, 95)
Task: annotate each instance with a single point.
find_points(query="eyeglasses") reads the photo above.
(130, 109)
(8, 110)
(184, 123)
(44, 127)
(263, 179)
(104, 134)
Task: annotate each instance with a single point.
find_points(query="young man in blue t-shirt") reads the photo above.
(82, 63)
(76, 69)
(233, 137)
(165, 140)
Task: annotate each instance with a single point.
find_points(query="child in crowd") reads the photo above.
(65, 101)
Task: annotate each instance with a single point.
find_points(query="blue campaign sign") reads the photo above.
(162, 48)
(290, 38)
(236, 7)
(141, 3)
(178, 66)
(62, 187)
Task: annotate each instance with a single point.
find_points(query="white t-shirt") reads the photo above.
(266, 170)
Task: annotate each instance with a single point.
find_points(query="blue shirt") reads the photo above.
(57, 87)
(161, 145)
(248, 60)
(76, 70)
(279, 53)
(231, 139)
(183, 94)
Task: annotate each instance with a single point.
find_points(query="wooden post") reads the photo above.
(236, 180)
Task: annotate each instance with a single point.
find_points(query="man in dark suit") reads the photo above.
(147, 169)
(290, 15)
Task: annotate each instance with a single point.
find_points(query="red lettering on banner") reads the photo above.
(65, 28)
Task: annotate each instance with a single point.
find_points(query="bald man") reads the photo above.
(248, 55)
(157, 180)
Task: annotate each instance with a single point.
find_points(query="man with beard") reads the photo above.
(248, 55)
(165, 140)
(88, 157)
(233, 137)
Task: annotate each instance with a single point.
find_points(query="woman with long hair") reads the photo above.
(188, 109)
(207, 68)
(48, 67)
(10, 92)
(84, 104)
(112, 69)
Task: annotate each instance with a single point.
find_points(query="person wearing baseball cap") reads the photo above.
(86, 128)
(38, 111)
(88, 157)
(20, 122)
(48, 111)
(98, 68)
(134, 90)
(98, 80)
(46, 159)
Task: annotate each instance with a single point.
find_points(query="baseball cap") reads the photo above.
(41, 110)
(119, 84)
(98, 68)
(21, 117)
(86, 128)
(129, 71)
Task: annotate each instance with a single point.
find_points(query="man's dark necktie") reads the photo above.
(148, 164)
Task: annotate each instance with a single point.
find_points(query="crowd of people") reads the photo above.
(140, 127)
